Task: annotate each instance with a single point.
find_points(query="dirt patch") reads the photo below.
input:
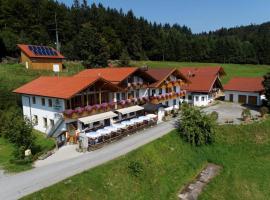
(193, 189)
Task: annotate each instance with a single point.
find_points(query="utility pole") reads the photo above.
(56, 34)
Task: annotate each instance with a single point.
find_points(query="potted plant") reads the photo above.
(246, 114)
(264, 111)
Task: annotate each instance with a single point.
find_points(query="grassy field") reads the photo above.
(232, 70)
(7, 148)
(167, 164)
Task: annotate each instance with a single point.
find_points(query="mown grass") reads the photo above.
(232, 70)
(6, 153)
(168, 164)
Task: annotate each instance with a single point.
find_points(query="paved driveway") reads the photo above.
(19, 185)
(229, 111)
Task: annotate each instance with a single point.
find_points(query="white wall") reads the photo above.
(30, 110)
(237, 93)
(199, 99)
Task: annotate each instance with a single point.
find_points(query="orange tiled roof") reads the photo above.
(58, 87)
(161, 74)
(244, 84)
(113, 74)
(25, 48)
(202, 78)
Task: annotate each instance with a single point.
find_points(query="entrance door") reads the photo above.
(231, 97)
(242, 99)
(252, 100)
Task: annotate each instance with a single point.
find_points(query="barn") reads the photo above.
(41, 57)
(244, 90)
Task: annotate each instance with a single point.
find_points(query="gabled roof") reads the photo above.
(202, 78)
(202, 71)
(244, 84)
(202, 84)
(26, 49)
(59, 87)
(161, 74)
(113, 74)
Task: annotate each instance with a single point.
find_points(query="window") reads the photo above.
(35, 120)
(153, 92)
(45, 122)
(52, 122)
(34, 100)
(95, 124)
(50, 102)
(160, 91)
(197, 98)
(132, 114)
(174, 88)
(137, 93)
(174, 102)
(123, 95)
(43, 101)
(118, 96)
(202, 98)
(167, 103)
(189, 97)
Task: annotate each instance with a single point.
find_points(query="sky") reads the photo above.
(199, 15)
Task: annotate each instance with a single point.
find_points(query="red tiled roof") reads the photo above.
(58, 87)
(202, 78)
(245, 84)
(113, 74)
(201, 84)
(162, 74)
(25, 48)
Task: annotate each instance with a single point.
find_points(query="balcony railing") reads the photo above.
(174, 83)
(105, 107)
(168, 96)
(136, 85)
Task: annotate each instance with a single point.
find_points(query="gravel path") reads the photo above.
(193, 190)
(19, 185)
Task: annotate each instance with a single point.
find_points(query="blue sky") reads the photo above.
(199, 15)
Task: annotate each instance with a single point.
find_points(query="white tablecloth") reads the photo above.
(111, 128)
(152, 116)
(104, 131)
(93, 134)
(119, 126)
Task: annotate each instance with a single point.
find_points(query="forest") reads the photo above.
(96, 34)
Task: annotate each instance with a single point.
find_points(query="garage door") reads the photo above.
(242, 99)
(252, 100)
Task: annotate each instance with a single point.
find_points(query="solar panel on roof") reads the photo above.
(54, 53)
(30, 47)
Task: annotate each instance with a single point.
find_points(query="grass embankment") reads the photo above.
(6, 153)
(232, 70)
(13, 76)
(168, 164)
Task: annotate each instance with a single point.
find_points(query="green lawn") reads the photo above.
(168, 164)
(7, 148)
(232, 70)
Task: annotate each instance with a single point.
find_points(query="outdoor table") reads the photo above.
(111, 128)
(128, 123)
(152, 116)
(147, 118)
(103, 132)
(93, 134)
(119, 126)
(136, 120)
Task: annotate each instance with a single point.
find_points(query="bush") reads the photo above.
(264, 110)
(246, 114)
(196, 127)
(214, 115)
(135, 168)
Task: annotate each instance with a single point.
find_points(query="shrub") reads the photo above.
(195, 127)
(264, 110)
(135, 168)
(214, 115)
(246, 114)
